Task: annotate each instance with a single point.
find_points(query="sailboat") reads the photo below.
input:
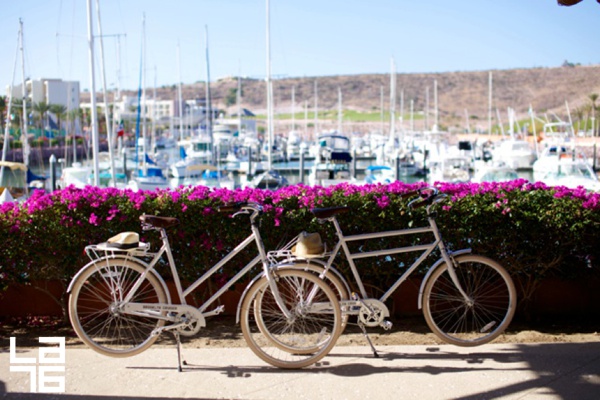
(16, 178)
(514, 152)
(560, 163)
(333, 161)
(147, 176)
(269, 178)
(101, 169)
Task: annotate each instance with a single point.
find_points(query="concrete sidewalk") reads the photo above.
(507, 371)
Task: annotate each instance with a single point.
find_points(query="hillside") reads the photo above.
(459, 93)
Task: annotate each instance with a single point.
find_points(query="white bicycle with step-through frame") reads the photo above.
(119, 304)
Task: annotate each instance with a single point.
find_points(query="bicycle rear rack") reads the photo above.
(103, 250)
(287, 254)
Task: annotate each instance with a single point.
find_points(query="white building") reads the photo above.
(126, 109)
(50, 91)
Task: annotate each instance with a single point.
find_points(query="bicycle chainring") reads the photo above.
(191, 327)
(373, 312)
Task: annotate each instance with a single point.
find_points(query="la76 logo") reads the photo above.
(46, 355)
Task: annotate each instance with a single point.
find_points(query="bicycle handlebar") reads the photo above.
(427, 196)
(239, 206)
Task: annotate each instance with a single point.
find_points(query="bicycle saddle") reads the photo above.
(329, 211)
(159, 222)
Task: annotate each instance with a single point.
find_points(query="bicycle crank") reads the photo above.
(373, 313)
(189, 325)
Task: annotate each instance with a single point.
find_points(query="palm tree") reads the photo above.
(579, 113)
(41, 109)
(60, 111)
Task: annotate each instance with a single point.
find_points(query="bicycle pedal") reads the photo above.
(387, 325)
(216, 311)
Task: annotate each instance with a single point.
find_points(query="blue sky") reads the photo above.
(308, 38)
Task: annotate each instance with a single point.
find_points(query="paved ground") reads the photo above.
(507, 371)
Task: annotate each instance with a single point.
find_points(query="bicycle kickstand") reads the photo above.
(179, 362)
(364, 331)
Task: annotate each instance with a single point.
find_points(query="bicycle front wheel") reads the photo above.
(94, 307)
(307, 335)
(335, 281)
(487, 311)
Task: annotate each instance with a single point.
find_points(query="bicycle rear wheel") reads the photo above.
(479, 320)
(304, 338)
(94, 307)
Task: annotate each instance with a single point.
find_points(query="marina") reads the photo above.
(222, 135)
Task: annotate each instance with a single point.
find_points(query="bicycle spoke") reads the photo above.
(95, 307)
(481, 317)
(304, 337)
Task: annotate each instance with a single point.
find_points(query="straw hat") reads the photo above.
(309, 244)
(124, 240)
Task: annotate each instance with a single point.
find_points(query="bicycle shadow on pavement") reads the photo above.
(357, 369)
(567, 370)
(62, 396)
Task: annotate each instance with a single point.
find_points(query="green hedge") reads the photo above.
(533, 230)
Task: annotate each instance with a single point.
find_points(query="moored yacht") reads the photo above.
(333, 162)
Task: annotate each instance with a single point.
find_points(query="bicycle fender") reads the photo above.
(142, 263)
(437, 263)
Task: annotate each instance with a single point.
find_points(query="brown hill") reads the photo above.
(459, 93)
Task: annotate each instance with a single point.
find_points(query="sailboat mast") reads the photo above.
(238, 99)
(427, 108)
(339, 110)
(208, 102)
(490, 103)
(269, 91)
(153, 129)
(9, 108)
(145, 167)
(402, 111)
(104, 90)
(392, 102)
(293, 108)
(435, 103)
(381, 106)
(95, 140)
(26, 148)
(316, 109)
(139, 104)
(179, 95)
(412, 115)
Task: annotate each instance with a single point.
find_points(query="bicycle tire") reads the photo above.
(304, 339)
(459, 322)
(93, 307)
(334, 279)
(335, 283)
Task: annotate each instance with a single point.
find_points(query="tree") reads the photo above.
(231, 97)
(579, 113)
(60, 111)
(41, 109)
(3, 110)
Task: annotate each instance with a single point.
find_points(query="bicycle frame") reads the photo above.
(166, 248)
(426, 250)
(157, 310)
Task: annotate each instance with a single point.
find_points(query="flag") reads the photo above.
(120, 130)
